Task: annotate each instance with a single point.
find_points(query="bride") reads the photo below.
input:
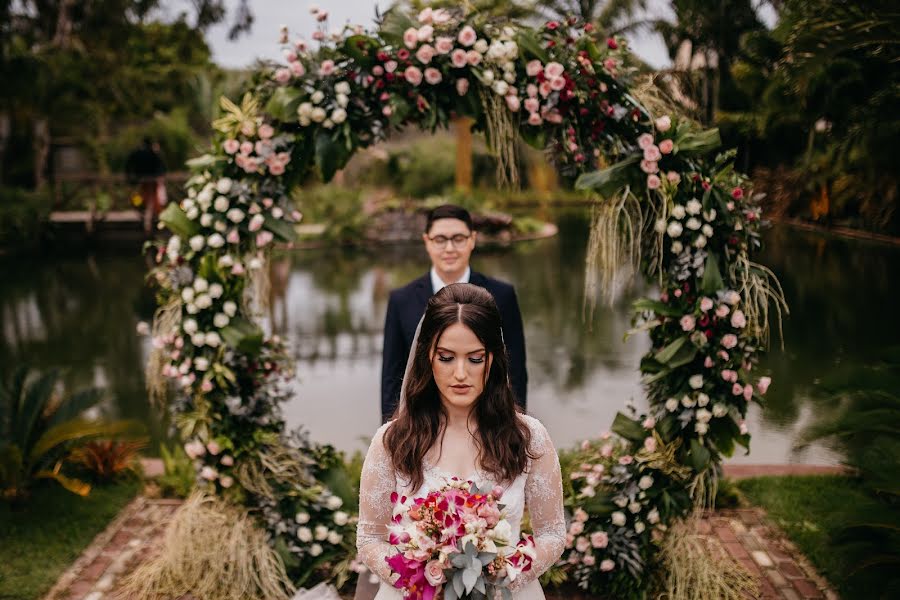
(457, 417)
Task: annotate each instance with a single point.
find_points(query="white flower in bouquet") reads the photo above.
(201, 364)
(702, 399)
(191, 308)
(215, 240)
(696, 381)
(700, 242)
(639, 527)
(731, 297)
(302, 518)
(315, 550)
(693, 224)
(671, 404)
(607, 565)
(339, 115)
(711, 215)
(197, 242)
(677, 247)
(220, 226)
(317, 97)
(221, 204)
(693, 207)
(277, 212)
(701, 428)
(198, 339)
(223, 185)
(206, 220)
(328, 124)
(187, 294)
(318, 114)
(213, 339)
(620, 501)
(687, 401)
(707, 230)
(646, 482)
(659, 226)
(235, 215)
(255, 263)
(334, 538)
(200, 284)
(192, 213)
(225, 260)
(618, 518)
(674, 229)
(342, 87)
(216, 290)
(502, 533)
(230, 308)
(205, 196)
(719, 410)
(678, 211)
(208, 473)
(203, 301)
(481, 46)
(189, 326)
(321, 532)
(634, 507)
(334, 502)
(305, 109)
(703, 415)
(500, 87)
(341, 518)
(342, 100)
(220, 320)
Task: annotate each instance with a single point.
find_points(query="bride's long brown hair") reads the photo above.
(503, 439)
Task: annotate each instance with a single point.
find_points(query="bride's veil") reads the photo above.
(401, 403)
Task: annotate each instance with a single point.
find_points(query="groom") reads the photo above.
(449, 240)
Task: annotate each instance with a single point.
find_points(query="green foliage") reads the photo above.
(23, 217)
(339, 208)
(178, 476)
(105, 461)
(177, 140)
(38, 428)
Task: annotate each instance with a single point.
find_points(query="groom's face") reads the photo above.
(449, 243)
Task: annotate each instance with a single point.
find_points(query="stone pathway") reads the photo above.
(744, 534)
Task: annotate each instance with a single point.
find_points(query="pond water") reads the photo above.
(79, 313)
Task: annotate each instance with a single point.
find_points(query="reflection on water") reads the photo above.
(80, 313)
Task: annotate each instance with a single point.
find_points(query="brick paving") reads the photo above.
(746, 535)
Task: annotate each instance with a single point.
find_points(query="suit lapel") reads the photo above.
(423, 291)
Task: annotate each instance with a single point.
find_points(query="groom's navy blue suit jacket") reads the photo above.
(407, 305)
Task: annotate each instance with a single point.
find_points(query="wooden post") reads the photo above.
(463, 127)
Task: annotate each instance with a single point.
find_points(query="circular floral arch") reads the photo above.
(665, 205)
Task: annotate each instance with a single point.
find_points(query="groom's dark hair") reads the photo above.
(448, 211)
(503, 439)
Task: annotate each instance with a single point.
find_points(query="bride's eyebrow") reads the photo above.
(452, 352)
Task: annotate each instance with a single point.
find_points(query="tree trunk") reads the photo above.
(41, 151)
(463, 127)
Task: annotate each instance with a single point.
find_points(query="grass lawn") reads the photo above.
(809, 509)
(39, 540)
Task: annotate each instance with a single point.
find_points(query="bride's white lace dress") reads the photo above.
(539, 488)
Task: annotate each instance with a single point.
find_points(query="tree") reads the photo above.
(615, 17)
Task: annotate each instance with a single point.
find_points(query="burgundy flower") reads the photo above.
(704, 321)
(737, 193)
(403, 54)
(588, 27)
(705, 185)
(708, 333)
(552, 25)
(382, 56)
(611, 43)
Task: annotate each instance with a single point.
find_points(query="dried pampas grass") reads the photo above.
(166, 321)
(214, 551)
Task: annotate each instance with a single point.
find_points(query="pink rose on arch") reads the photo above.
(326, 68)
(318, 35)
(513, 103)
(664, 123)
(589, 560)
(532, 105)
(649, 423)
(246, 147)
(607, 565)
(533, 68)
(467, 36)
(557, 83)
(729, 340)
(390, 66)
(748, 392)
(378, 70)
(458, 58)
(426, 16)
(729, 375)
(545, 89)
(705, 304)
(763, 384)
(263, 238)
(644, 141)
(626, 459)
(606, 451)
(387, 111)
(425, 53)
(650, 444)
(722, 311)
(651, 152)
(708, 362)
(554, 117)
(599, 539)
(553, 70)
(462, 86)
(289, 55)
(649, 167)
(410, 38)
(582, 544)
(576, 528)
(653, 182)
(213, 447)
(233, 237)
(276, 169)
(444, 45)
(738, 319)
(231, 146)
(535, 119)
(473, 57)
(433, 76)
(297, 68)
(282, 75)
(666, 146)
(737, 389)
(425, 33)
(722, 354)
(688, 322)
(413, 75)
(673, 177)
(531, 90)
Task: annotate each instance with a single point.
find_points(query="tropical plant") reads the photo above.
(178, 472)
(865, 426)
(107, 460)
(38, 428)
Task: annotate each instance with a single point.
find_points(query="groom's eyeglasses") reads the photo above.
(457, 240)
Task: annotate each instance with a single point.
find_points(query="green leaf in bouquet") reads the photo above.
(469, 578)
(243, 336)
(459, 560)
(177, 222)
(450, 592)
(698, 142)
(205, 161)
(362, 49)
(628, 428)
(458, 585)
(395, 22)
(712, 278)
(530, 45)
(282, 229)
(699, 455)
(600, 504)
(608, 181)
(668, 353)
(479, 584)
(283, 104)
(657, 306)
(668, 427)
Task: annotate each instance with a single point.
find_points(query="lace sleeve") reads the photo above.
(544, 499)
(376, 485)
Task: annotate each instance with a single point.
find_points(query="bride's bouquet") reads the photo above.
(456, 539)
